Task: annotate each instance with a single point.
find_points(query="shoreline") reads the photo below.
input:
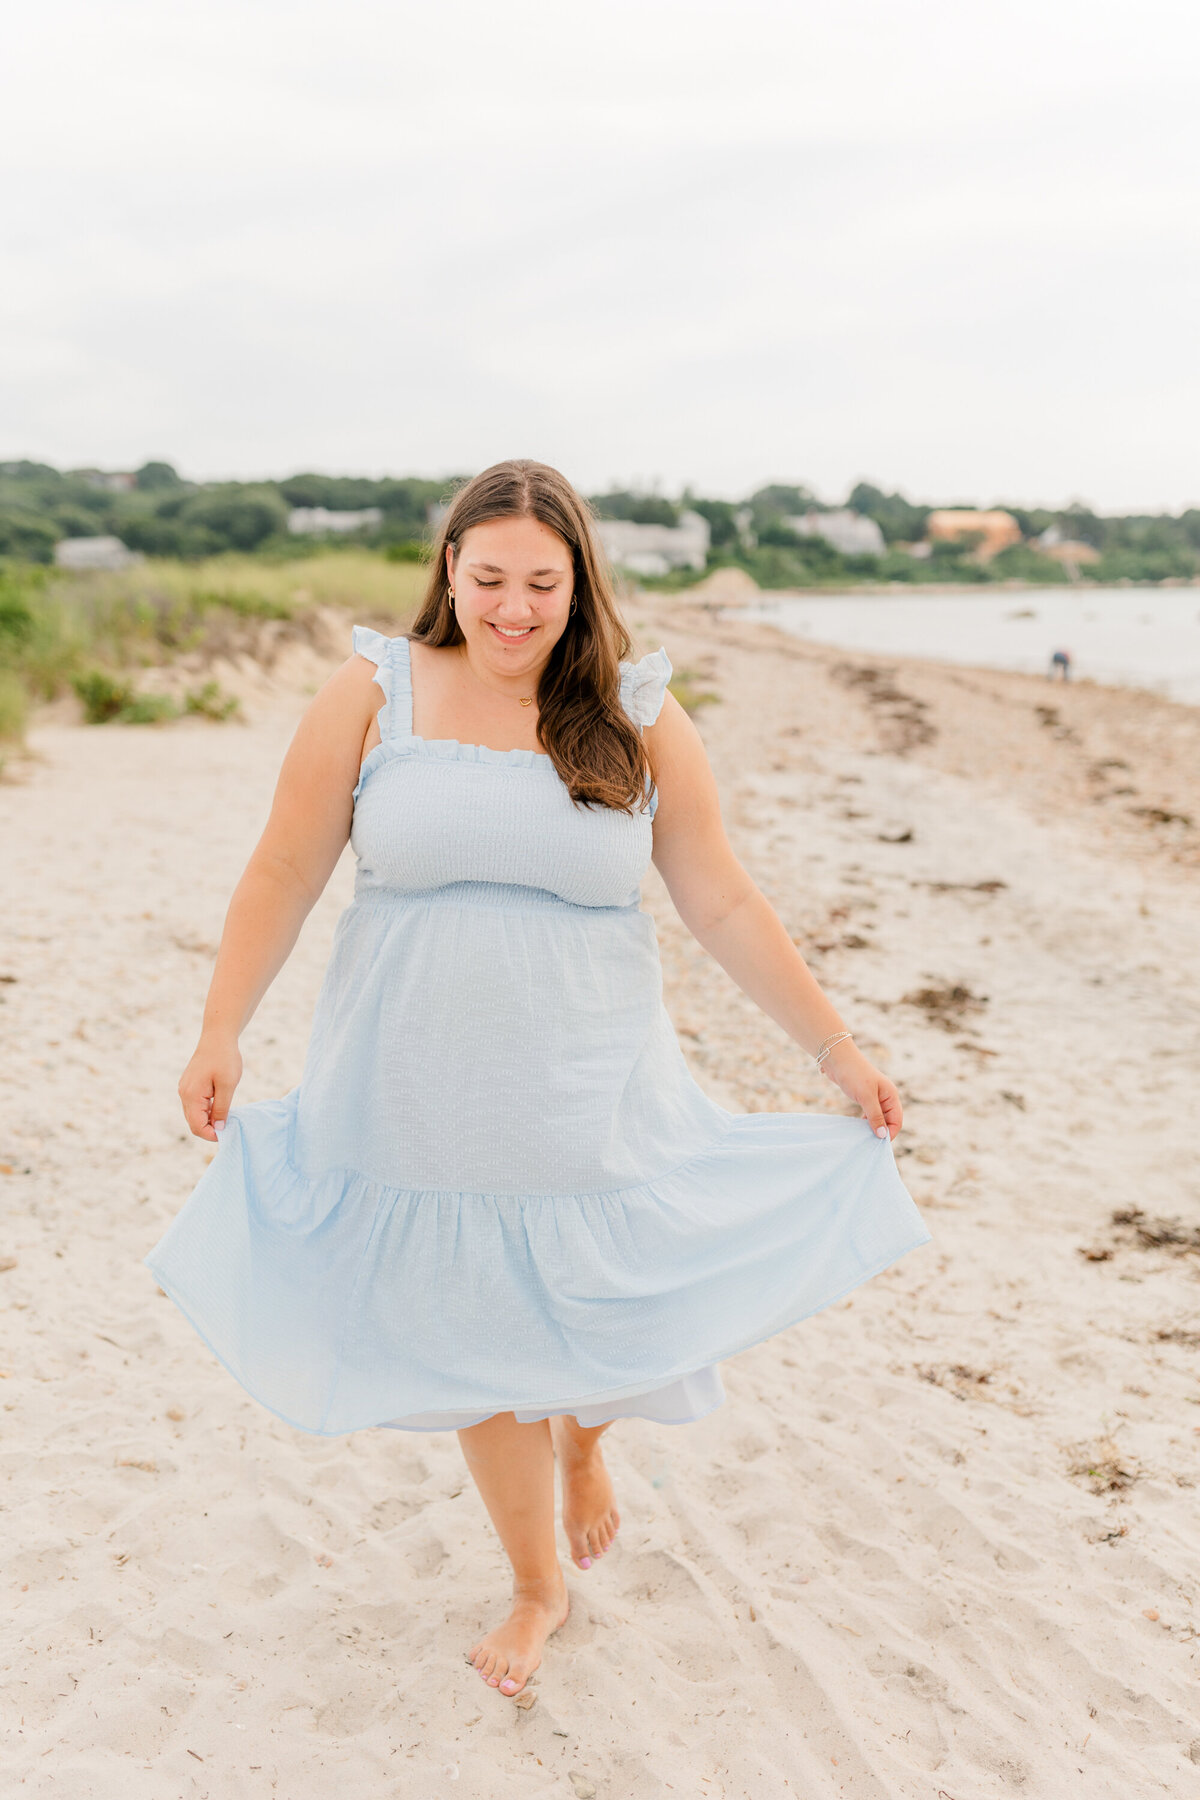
(1055, 744)
(731, 611)
(1011, 585)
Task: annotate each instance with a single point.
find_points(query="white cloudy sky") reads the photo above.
(947, 247)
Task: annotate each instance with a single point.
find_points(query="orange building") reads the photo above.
(996, 530)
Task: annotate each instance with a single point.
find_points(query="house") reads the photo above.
(655, 549)
(996, 530)
(94, 553)
(851, 533)
(313, 521)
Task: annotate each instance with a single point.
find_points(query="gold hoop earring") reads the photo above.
(573, 605)
(452, 599)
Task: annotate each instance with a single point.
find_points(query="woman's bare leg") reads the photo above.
(590, 1516)
(512, 1465)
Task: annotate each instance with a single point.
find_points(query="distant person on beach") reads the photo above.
(497, 1202)
(1060, 665)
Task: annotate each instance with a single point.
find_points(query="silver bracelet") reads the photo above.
(828, 1044)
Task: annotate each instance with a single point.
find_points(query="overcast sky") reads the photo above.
(944, 247)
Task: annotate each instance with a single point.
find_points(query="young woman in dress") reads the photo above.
(497, 1202)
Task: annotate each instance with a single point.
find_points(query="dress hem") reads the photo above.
(722, 1355)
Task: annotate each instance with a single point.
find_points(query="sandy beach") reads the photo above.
(943, 1540)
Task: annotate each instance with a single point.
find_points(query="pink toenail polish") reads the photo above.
(508, 1684)
(585, 1562)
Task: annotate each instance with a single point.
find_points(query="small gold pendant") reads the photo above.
(526, 700)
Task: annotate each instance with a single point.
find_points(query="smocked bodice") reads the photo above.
(431, 813)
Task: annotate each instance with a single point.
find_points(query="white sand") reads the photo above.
(873, 1572)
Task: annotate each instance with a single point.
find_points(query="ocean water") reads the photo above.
(1126, 637)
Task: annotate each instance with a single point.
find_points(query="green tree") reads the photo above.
(1027, 564)
(642, 509)
(26, 536)
(157, 477)
(899, 520)
(722, 520)
(241, 518)
(780, 502)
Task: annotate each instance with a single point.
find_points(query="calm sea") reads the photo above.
(1128, 637)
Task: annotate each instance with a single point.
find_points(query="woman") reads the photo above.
(497, 1202)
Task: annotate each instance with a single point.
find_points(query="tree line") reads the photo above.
(160, 513)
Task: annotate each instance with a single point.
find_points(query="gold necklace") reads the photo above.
(525, 699)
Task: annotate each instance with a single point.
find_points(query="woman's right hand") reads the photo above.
(207, 1085)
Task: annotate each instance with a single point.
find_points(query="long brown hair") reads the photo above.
(593, 743)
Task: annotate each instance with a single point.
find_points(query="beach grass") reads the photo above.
(91, 633)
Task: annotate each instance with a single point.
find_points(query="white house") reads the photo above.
(311, 521)
(656, 549)
(94, 553)
(849, 532)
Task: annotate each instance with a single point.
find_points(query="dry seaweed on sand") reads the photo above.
(966, 887)
(1104, 1466)
(1159, 815)
(946, 1004)
(904, 721)
(1157, 1234)
(956, 1378)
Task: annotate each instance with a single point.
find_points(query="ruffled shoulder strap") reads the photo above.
(644, 685)
(393, 673)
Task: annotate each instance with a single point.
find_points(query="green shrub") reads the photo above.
(16, 616)
(210, 703)
(148, 709)
(247, 603)
(1025, 563)
(14, 706)
(106, 699)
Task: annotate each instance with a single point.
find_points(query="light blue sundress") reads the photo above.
(497, 1186)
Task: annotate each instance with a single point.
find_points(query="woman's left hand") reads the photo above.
(863, 1083)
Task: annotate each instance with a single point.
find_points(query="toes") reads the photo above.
(514, 1681)
(581, 1550)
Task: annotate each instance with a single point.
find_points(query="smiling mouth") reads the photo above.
(511, 637)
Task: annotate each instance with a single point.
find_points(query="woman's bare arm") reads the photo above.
(305, 834)
(727, 913)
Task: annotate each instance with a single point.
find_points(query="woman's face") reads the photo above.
(512, 581)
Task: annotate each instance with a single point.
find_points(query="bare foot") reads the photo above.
(508, 1655)
(589, 1513)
